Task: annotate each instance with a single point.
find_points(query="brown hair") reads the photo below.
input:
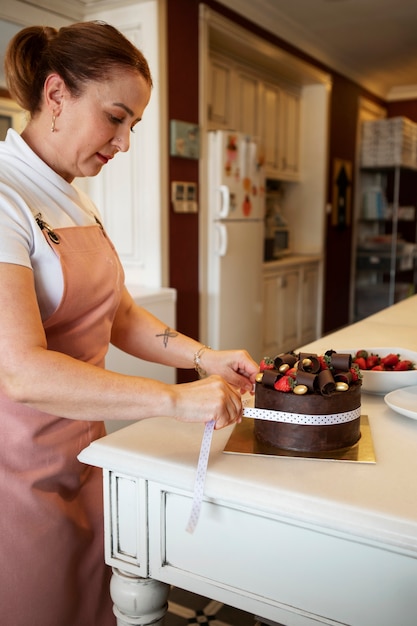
(79, 53)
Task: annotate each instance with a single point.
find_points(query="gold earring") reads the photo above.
(53, 123)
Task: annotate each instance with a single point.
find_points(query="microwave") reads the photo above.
(278, 245)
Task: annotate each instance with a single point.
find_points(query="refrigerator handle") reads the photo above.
(221, 239)
(224, 201)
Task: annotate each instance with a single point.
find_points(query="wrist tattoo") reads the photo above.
(167, 334)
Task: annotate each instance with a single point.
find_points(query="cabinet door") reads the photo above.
(288, 309)
(219, 105)
(309, 303)
(269, 118)
(281, 312)
(290, 134)
(280, 131)
(270, 328)
(246, 104)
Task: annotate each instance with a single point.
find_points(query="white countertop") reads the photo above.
(290, 259)
(374, 501)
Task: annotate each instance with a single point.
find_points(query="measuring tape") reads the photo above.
(263, 414)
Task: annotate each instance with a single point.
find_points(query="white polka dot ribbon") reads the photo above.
(200, 478)
(299, 418)
(263, 414)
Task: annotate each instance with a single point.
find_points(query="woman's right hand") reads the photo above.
(208, 399)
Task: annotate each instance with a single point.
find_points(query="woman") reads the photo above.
(62, 300)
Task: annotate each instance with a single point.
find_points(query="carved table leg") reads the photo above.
(138, 601)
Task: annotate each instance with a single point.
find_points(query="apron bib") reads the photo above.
(51, 521)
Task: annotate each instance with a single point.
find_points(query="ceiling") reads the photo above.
(373, 42)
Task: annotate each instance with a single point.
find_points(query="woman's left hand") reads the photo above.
(236, 367)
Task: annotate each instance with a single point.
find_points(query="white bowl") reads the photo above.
(383, 382)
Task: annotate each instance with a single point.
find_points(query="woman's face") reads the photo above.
(92, 128)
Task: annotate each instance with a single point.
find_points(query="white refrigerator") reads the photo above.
(236, 209)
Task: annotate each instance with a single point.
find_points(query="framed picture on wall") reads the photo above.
(6, 121)
(11, 116)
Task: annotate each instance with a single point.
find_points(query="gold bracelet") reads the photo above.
(197, 361)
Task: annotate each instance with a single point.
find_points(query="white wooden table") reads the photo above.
(296, 541)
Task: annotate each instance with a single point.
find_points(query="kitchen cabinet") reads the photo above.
(309, 313)
(247, 103)
(220, 100)
(270, 115)
(280, 321)
(280, 131)
(252, 103)
(233, 100)
(291, 296)
(289, 136)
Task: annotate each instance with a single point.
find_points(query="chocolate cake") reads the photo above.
(312, 402)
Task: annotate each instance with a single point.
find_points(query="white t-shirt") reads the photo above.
(28, 186)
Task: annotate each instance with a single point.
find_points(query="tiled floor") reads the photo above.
(189, 609)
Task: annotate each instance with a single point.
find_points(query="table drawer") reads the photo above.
(327, 578)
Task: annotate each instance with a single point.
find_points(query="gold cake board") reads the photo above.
(243, 441)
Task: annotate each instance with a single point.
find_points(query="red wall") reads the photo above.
(406, 108)
(182, 18)
(342, 145)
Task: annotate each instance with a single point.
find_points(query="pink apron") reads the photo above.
(51, 516)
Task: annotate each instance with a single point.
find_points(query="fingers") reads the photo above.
(208, 399)
(232, 411)
(226, 407)
(237, 368)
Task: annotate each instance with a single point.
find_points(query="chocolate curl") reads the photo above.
(270, 377)
(341, 361)
(306, 378)
(315, 363)
(343, 377)
(326, 382)
(288, 358)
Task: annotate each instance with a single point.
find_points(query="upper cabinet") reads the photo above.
(233, 97)
(289, 135)
(220, 88)
(270, 112)
(279, 129)
(244, 101)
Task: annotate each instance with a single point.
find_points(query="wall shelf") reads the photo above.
(386, 245)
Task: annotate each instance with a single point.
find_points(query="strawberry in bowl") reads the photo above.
(385, 369)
